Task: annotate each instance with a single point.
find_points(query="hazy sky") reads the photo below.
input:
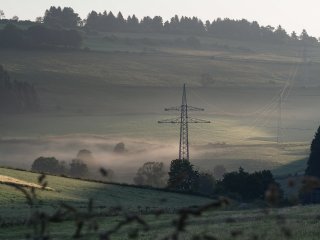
(291, 14)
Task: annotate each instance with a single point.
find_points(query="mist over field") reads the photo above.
(242, 133)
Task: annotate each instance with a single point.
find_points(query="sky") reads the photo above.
(290, 14)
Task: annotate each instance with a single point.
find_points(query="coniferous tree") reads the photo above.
(313, 165)
(182, 176)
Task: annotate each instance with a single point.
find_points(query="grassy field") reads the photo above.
(299, 222)
(77, 193)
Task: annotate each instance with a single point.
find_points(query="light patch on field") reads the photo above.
(14, 181)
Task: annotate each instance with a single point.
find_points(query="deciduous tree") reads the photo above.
(152, 174)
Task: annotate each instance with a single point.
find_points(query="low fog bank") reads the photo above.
(21, 152)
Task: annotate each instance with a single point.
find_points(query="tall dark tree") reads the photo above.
(93, 20)
(133, 23)
(121, 22)
(78, 168)
(281, 34)
(313, 165)
(182, 176)
(304, 36)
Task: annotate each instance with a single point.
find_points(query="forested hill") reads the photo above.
(67, 18)
(220, 28)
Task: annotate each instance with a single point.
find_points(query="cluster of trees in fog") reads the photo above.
(79, 167)
(38, 36)
(16, 96)
(183, 177)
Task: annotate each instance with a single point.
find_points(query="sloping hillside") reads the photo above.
(13, 207)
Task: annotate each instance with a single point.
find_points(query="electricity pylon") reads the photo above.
(184, 120)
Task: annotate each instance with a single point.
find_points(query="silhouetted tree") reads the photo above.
(152, 174)
(182, 176)
(133, 23)
(78, 168)
(62, 18)
(121, 22)
(86, 156)
(294, 36)
(313, 165)
(119, 148)
(306, 39)
(304, 36)
(48, 165)
(281, 34)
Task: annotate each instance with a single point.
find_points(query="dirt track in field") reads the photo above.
(14, 181)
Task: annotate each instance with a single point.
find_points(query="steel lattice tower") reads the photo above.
(184, 120)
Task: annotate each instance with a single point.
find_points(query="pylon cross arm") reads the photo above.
(172, 120)
(196, 120)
